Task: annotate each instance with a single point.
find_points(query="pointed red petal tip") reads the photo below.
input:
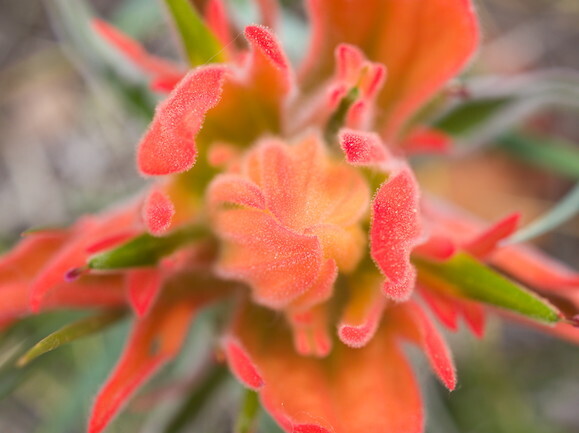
(241, 364)
(357, 336)
(396, 230)
(363, 148)
(416, 325)
(488, 241)
(436, 248)
(424, 140)
(158, 211)
(169, 144)
(262, 39)
(143, 286)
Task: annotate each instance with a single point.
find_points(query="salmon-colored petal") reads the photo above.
(363, 311)
(395, 231)
(363, 148)
(321, 290)
(279, 264)
(234, 189)
(371, 389)
(158, 212)
(410, 318)
(168, 146)
(143, 286)
(487, 242)
(439, 38)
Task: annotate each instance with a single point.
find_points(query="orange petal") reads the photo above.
(396, 229)
(423, 45)
(410, 318)
(169, 144)
(371, 389)
(363, 312)
(279, 264)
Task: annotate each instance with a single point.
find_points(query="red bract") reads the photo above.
(291, 193)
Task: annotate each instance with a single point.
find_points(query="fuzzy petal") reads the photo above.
(363, 313)
(279, 264)
(363, 148)
(169, 144)
(411, 319)
(396, 229)
(158, 212)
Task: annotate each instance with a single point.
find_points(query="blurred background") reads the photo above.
(72, 111)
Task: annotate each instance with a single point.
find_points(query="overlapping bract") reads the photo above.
(312, 215)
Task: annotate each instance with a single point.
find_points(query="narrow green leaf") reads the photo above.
(71, 332)
(477, 281)
(247, 417)
(200, 44)
(470, 114)
(144, 250)
(496, 104)
(554, 155)
(566, 209)
(194, 403)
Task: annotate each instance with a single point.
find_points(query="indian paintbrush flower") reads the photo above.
(292, 194)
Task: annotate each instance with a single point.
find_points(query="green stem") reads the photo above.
(246, 419)
(196, 400)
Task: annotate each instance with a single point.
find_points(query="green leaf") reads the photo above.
(496, 104)
(477, 281)
(566, 209)
(552, 154)
(200, 44)
(71, 332)
(144, 250)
